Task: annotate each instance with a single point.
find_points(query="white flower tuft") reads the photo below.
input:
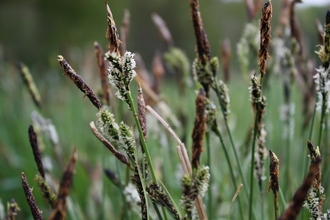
(322, 81)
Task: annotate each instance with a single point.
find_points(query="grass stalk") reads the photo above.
(208, 146)
(184, 159)
(126, 215)
(252, 163)
(103, 182)
(231, 139)
(143, 141)
(322, 121)
(217, 132)
(144, 144)
(284, 203)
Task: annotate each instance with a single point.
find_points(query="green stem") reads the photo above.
(143, 143)
(313, 120)
(125, 210)
(276, 210)
(284, 204)
(208, 146)
(231, 139)
(288, 156)
(142, 140)
(217, 132)
(157, 210)
(142, 183)
(322, 119)
(252, 162)
(103, 183)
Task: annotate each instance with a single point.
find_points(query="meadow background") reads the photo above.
(35, 32)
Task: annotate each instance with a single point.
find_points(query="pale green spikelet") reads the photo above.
(107, 125)
(211, 115)
(214, 64)
(255, 92)
(187, 202)
(127, 138)
(202, 180)
(224, 98)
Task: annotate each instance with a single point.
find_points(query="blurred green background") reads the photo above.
(36, 31)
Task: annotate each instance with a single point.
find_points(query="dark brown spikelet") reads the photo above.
(225, 58)
(163, 31)
(252, 8)
(327, 40)
(317, 184)
(136, 180)
(60, 208)
(158, 195)
(199, 128)
(36, 151)
(36, 213)
(202, 43)
(320, 32)
(294, 26)
(103, 72)
(124, 30)
(29, 82)
(300, 195)
(121, 157)
(12, 210)
(284, 18)
(314, 154)
(78, 81)
(274, 174)
(142, 112)
(158, 71)
(249, 9)
(112, 32)
(265, 28)
(112, 177)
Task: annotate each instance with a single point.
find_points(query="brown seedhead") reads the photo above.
(36, 151)
(79, 81)
(103, 72)
(163, 31)
(142, 112)
(112, 32)
(59, 212)
(199, 128)
(36, 213)
(202, 43)
(265, 28)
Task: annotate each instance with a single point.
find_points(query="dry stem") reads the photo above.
(184, 159)
(108, 145)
